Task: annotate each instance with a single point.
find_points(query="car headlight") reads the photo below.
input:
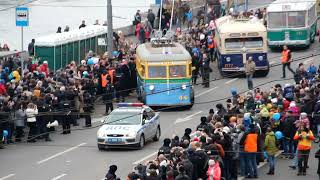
(228, 59)
(101, 134)
(131, 134)
(184, 86)
(260, 58)
(151, 87)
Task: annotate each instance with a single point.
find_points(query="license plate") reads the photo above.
(228, 65)
(114, 140)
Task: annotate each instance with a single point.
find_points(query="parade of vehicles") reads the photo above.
(129, 125)
(164, 73)
(292, 22)
(237, 39)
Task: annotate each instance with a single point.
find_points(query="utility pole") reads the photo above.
(110, 29)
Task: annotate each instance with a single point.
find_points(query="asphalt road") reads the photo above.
(76, 156)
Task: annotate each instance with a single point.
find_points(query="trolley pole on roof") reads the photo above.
(110, 29)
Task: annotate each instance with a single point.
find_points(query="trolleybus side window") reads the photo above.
(236, 43)
(157, 72)
(277, 20)
(177, 71)
(296, 19)
(312, 15)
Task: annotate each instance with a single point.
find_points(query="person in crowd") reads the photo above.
(137, 18)
(83, 24)
(31, 47)
(20, 116)
(250, 142)
(270, 145)
(32, 112)
(304, 136)
(142, 34)
(59, 30)
(151, 18)
(111, 174)
(96, 22)
(250, 68)
(66, 29)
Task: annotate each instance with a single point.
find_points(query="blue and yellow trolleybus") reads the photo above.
(164, 74)
(292, 22)
(237, 39)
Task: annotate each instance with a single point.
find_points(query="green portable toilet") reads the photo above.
(61, 48)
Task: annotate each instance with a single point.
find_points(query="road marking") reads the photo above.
(309, 60)
(7, 177)
(205, 92)
(232, 80)
(145, 158)
(272, 62)
(188, 118)
(59, 177)
(60, 153)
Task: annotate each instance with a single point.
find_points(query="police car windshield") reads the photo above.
(123, 118)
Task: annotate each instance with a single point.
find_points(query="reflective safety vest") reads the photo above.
(211, 45)
(285, 56)
(250, 144)
(104, 81)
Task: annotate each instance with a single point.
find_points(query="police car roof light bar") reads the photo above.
(130, 104)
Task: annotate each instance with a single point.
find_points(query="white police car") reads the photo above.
(131, 124)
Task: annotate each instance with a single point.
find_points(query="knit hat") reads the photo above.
(303, 115)
(211, 111)
(211, 162)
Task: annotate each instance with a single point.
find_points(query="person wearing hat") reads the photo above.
(250, 68)
(111, 173)
(203, 126)
(250, 141)
(186, 135)
(165, 148)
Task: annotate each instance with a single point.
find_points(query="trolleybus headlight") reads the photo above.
(184, 86)
(228, 59)
(151, 87)
(260, 58)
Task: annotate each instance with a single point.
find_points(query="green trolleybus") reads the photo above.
(291, 22)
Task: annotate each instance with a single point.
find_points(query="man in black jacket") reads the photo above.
(151, 17)
(288, 129)
(199, 160)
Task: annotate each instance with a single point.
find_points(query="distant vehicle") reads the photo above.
(130, 125)
(291, 22)
(238, 38)
(164, 74)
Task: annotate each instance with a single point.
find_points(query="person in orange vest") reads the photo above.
(103, 81)
(211, 49)
(286, 60)
(250, 142)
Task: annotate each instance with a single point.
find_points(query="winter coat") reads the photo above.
(288, 127)
(187, 164)
(31, 114)
(182, 176)
(214, 172)
(20, 116)
(270, 144)
(250, 67)
(304, 140)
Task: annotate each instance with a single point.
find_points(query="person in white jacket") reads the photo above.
(31, 113)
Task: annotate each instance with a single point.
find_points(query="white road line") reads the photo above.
(7, 177)
(205, 92)
(188, 118)
(145, 158)
(60, 153)
(59, 177)
(309, 60)
(232, 80)
(272, 62)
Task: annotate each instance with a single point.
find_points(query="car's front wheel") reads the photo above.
(157, 135)
(141, 142)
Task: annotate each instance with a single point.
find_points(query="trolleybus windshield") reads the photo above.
(237, 43)
(157, 72)
(277, 20)
(177, 71)
(297, 19)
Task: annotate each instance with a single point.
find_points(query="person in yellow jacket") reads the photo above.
(304, 136)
